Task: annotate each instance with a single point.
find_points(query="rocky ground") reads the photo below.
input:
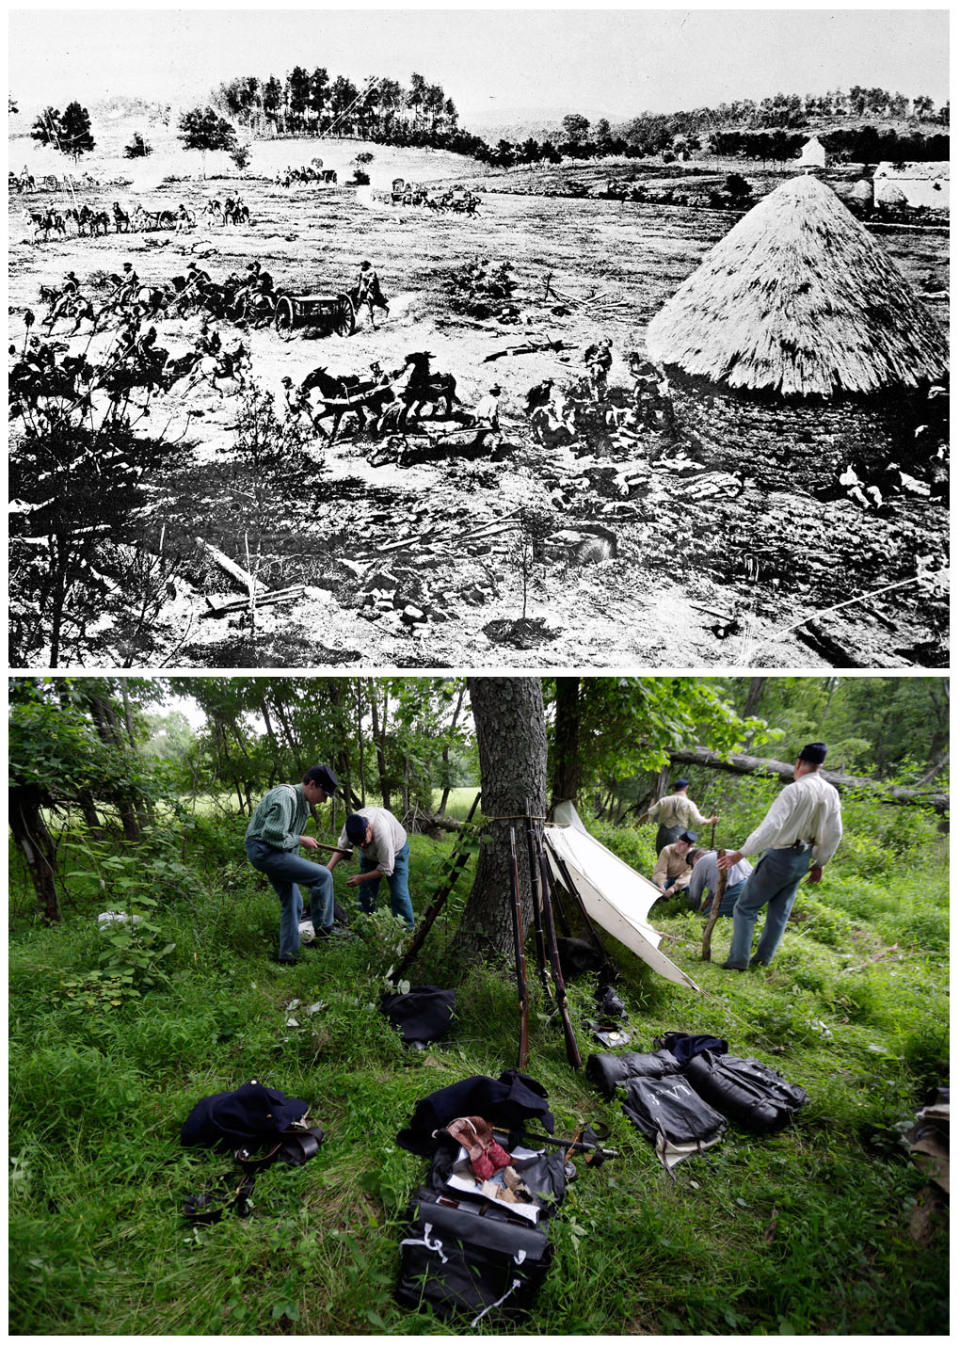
(394, 577)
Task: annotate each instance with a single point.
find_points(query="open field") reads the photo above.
(826, 1227)
(719, 520)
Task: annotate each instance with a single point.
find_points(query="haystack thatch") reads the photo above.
(890, 193)
(799, 299)
(862, 190)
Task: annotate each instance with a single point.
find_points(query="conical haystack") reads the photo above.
(799, 299)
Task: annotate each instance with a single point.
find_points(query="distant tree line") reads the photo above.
(305, 103)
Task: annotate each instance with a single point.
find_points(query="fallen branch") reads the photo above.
(263, 600)
(849, 602)
(235, 571)
(530, 348)
(741, 764)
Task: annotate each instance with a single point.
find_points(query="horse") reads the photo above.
(121, 220)
(236, 212)
(346, 392)
(424, 388)
(76, 306)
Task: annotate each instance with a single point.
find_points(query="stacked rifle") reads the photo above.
(455, 864)
(542, 894)
(547, 912)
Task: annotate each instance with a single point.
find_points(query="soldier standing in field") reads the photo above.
(800, 833)
(675, 813)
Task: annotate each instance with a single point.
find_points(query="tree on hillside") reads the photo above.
(76, 137)
(512, 739)
(576, 128)
(298, 94)
(203, 129)
(737, 188)
(272, 99)
(69, 133)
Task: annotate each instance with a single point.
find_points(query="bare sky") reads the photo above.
(618, 62)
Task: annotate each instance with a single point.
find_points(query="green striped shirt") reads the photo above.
(279, 818)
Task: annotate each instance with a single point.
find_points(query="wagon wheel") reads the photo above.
(283, 318)
(344, 317)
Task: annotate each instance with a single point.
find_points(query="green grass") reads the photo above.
(806, 1232)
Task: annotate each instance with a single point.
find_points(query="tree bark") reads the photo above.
(380, 738)
(39, 849)
(105, 720)
(445, 755)
(512, 740)
(566, 742)
(742, 765)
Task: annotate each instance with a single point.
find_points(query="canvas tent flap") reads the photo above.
(615, 896)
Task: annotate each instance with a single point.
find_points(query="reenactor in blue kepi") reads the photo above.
(800, 833)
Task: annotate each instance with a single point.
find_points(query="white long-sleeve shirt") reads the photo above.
(807, 809)
(388, 837)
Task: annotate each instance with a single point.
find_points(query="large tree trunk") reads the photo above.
(105, 720)
(380, 739)
(512, 739)
(445, 756)
(39, 850)
(742, 765)
(566, 742)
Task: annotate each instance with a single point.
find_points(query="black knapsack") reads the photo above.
(751, 1094)
(605, 1070)
(458, 1260)
(672, 1108)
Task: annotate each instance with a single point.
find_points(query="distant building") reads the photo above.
(813, 154)
(916, 184)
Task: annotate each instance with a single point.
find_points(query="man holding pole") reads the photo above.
(801, 832)
(274, 835)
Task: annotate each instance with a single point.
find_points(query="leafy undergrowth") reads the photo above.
(815, 1230)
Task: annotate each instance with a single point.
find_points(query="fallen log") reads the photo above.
(742, 764)
(530, 348)
(236, 572)
(262, 600)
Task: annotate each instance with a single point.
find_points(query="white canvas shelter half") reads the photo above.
(615, 896)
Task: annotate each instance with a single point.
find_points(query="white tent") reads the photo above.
(614, 896)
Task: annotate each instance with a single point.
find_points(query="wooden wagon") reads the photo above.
(314, 314)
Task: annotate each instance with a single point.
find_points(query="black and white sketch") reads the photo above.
(610, 339)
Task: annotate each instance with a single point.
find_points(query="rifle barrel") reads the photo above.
(573, 1051)
(523, 1052)
(537, 899)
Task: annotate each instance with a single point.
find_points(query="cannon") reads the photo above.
(316, 314)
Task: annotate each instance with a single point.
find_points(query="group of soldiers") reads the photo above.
(797, 838)
(563, 414)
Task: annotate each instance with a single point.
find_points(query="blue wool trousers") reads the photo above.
(285, 870)
(398, 883)
(772, 884)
